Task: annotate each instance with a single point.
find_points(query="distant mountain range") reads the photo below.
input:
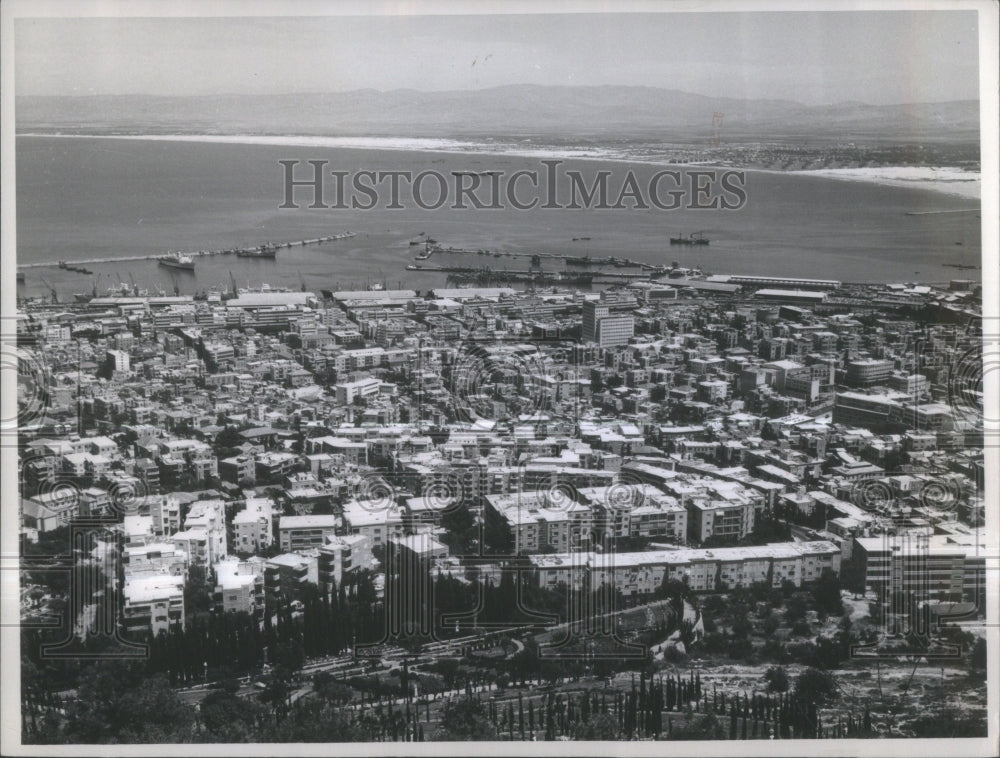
(517, 110)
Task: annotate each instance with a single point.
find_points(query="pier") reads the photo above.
(196, 254)
(570, 260)
(486, 274)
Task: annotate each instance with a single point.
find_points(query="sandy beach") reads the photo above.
(950, 181)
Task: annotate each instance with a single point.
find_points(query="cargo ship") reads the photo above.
(695, 238)
(264, 251)
(176, 260)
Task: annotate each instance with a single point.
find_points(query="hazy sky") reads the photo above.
(815, 58)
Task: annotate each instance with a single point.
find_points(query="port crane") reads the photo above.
(52, 290)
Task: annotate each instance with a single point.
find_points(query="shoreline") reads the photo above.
(944, 180)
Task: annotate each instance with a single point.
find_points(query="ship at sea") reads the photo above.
(176, 260)
(695, 238)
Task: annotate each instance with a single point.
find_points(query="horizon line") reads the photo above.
(498, 87)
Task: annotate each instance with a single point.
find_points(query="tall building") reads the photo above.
(601, 327)
(118, 360)
(592, 313)
(932, 568)
(864, 373)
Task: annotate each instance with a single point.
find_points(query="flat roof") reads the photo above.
(680, 556)
(808, 295)
(472, 292)
(374, 295)
(292, 560)
(307, 522)
(263, 299)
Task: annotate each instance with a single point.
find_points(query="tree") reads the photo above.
(461, 527)
(116, 703)
(465, 720)
(197, 597)
(977, 660)
(777, 679)
(229, 438)
(796, 608)
(801, 628)
(314, 721)
(277, 691)
(742, 626)
(603, 726)
(815, 686)
(826, 593)
(228, 717)
(498, 536)
(771, 624)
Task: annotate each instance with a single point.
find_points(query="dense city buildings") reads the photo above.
(410, 468)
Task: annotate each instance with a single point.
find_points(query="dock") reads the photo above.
(195, 254)
(569, 260)
(471, 273)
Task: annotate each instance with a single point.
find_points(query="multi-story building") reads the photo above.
(204, 536)
(305, 532)
(724, 521)
(153, 602)
(286, 577)
(252, 527)
(703, 570)
(606, 330)
(422, 548)
(347, 392)
(614, 330)
(272, 467)
(911, 384)
(154, 558)
(342, 555)
(542, 520)
(868, 372)
(939, 568)
(925, 417)
(165, 510)
(238, 469)
(867, 411)
(636, 511)
(239, 586)
(378, 520)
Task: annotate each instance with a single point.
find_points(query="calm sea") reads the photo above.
(89, 198)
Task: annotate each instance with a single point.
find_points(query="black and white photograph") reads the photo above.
(379, 378)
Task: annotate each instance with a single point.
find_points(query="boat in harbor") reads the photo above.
(176, 260)
(264, 251)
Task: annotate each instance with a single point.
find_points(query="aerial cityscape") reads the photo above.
(292, 471)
